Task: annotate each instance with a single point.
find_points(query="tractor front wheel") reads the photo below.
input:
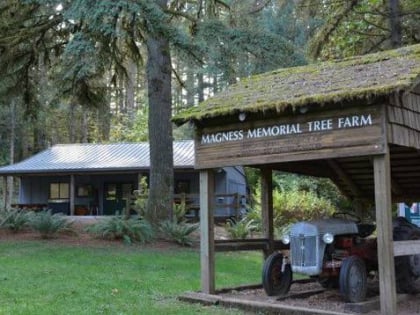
(276, 277)
(353, 279)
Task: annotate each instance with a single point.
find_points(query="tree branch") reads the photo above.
(376, 25)
(180, 13)
(223, 4)
(258, 6)
(178, 78)
(329, 27)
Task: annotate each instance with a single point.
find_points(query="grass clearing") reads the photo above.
(40, 277)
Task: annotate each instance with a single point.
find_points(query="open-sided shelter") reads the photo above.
(356, 121)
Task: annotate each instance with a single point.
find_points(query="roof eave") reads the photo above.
(83, 171)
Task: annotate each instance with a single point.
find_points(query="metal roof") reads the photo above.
(71, 158)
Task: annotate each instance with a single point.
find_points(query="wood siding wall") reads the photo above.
(404, 120)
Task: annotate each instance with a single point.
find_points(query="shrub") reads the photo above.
(118, 227)
(48, 224)
(292, 206)
(14, 219)
(180, 210)
(140, 203)
(178, 232)
(240, 229)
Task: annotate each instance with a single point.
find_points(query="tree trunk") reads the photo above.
(190, 85)
(395, 23)
(72, 123)
(85, 126)
(104, 121)
(160, 127)
(200, 79)
(130, 89)
(10, 182)
(121, 97)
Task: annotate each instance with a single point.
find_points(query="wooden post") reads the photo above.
(382, 173)
(10, 190)
(237, 205)
(267, 208)
(72, 194)
(207, 231)
(5, 194)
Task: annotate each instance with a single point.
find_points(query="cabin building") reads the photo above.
(99, 179)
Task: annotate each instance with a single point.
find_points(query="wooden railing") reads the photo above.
(248, 244)
(192, 202)
(30, 206)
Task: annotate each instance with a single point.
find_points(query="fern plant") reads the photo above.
(48, 224)
(178, 232)
(180, 210)
(240, 229)
(14, 219)
(120, 227)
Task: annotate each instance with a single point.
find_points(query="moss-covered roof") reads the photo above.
(360, 77)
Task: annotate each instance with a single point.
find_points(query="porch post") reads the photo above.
(207, 231)
(5, 194)
(382, 175)
(267, 208)
(139, 176)
(72, 194)
(10, 190)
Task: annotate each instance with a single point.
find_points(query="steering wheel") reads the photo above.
(348, 216)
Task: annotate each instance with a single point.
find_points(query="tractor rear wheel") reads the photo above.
(276, 278)
(353, 279)
(407, 268)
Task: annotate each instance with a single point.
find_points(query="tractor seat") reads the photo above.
(366, 229)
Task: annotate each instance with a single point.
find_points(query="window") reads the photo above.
(84, 191)
(111, 192)
(127, 190)
(59, 191)
(182, 187)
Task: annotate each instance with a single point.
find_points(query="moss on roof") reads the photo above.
(360, 77)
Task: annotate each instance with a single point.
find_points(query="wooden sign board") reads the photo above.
(328, 134)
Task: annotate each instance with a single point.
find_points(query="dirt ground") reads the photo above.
(328, 300)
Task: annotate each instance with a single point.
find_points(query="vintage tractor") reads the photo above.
(340, 253)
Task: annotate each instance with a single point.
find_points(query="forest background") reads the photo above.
(116, 70)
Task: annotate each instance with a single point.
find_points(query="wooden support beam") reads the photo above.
(344, 177)
(267, 208)
(382, 175)
(349, 183)
(207, 256)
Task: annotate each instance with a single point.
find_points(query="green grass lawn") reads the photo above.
(40, 277)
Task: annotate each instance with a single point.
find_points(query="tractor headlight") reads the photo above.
(285, 239)
(328, 238)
